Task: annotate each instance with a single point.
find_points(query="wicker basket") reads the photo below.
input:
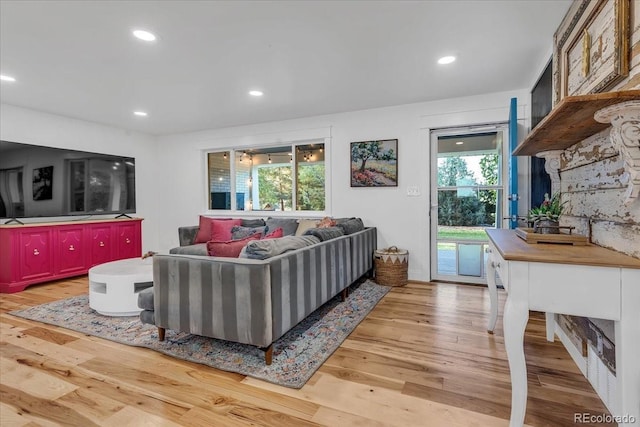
(391, 266)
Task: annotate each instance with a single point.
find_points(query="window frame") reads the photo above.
(233, 150)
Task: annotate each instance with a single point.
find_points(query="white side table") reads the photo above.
(114, 286)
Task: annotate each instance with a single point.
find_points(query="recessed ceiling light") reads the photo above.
(140, 113)
(144, 35)
(7, 78)
(255, 93)
(459, 143)
(446, 60)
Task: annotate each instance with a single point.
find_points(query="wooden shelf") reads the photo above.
(571, 121)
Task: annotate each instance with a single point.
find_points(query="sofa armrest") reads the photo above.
(224, 298)
(187, 235)
(363, 245)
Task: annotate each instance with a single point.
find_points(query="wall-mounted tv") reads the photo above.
(37, 181)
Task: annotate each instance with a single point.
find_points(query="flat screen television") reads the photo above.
(37, 181)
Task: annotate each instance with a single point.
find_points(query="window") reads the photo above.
(279, 178)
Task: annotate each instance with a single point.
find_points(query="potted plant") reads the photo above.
(546, 217)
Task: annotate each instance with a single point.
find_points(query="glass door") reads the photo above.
(468, 186)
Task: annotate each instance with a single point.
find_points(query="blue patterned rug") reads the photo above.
(296, 355)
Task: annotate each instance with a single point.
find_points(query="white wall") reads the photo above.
(401, 220)
(171, 176)
(33, 127)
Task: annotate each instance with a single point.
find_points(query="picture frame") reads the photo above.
(374, 163)
(592, 48)
(43, 183)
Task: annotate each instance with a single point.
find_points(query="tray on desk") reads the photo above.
(528, 235)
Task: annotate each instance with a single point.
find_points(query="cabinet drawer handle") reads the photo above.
(489, 251)
(101, 244)
(36, 252)
(71, 248)
(127, 241)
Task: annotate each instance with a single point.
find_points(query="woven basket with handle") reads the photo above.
(391, 266)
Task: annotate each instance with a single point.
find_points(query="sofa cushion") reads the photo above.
(350, 226)
(197, 249)
(304, 225)
(325, 233)
(229, 248)
(148, 316)
(263, 249)
(240, 232)
(204, 228)
(145, 299)
(288, 225)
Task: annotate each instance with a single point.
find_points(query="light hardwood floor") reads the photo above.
(421, 358)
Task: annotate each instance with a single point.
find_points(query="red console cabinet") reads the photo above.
(40, 252)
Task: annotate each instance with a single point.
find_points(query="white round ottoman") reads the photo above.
(114, 286)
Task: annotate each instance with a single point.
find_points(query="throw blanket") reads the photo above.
(326, 233)
(263, 249)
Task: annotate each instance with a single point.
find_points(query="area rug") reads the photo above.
(296, 355)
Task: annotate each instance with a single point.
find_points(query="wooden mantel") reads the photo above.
(571, 121)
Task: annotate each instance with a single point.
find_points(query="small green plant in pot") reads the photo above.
(546, 217)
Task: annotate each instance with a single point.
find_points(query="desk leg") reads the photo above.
(493, 294)
(515, 317)
(627, 332)
(550, 320)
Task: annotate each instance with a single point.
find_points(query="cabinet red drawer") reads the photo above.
(35, 254)
(101, 245)
(127, 242)
(70, 251)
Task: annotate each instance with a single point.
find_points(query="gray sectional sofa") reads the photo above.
(252, 301)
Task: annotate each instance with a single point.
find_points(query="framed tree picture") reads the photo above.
(374, 163)
(43, 183)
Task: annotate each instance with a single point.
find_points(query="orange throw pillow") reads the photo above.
(327, 222)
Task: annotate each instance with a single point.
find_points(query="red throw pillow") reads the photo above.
(221, 230)
(230, 248)
(204, 228)
(278, 232)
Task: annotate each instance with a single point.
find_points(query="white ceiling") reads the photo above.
(79, 59)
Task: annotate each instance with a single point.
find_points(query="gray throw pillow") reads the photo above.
(288, 225)
(258, 222)
(238, 232)
(325, 233)
(351, 226)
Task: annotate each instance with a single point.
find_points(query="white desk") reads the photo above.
(585, 281)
